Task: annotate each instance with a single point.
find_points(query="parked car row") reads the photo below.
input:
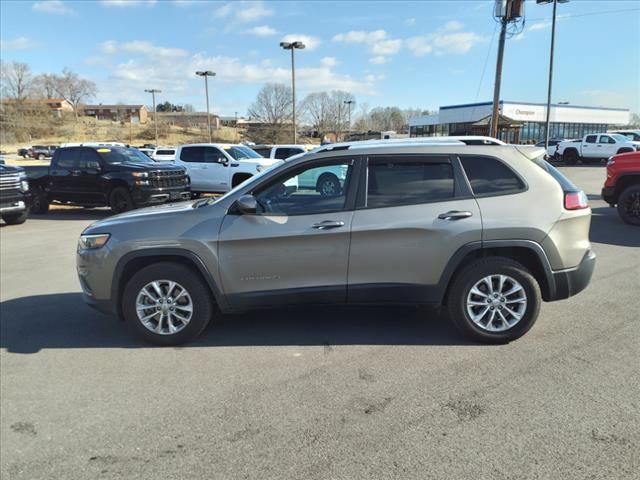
(594, 148)
(39, 152)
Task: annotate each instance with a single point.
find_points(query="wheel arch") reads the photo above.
(131, 263)
(529, 253)
(624, 181)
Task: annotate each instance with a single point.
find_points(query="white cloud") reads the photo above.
(310, 42)
(127, 3)
(378, 41)
(172, 71)
(20, 43)
(450, 39)
(244, 12)
(54, 7)
(379, 60)
(262, 31)
(536, 27)
(328, 62)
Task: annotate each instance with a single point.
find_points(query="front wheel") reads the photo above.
(328, 185)
(40, 156)
(120, 200)
(16, 218)
(494, 300)
(629, 205)
(167, 304)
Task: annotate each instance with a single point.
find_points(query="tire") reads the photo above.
(120, 200)
(328, 185)
(198, 297)
(16, 218)
(571, 157)
(519, 316)
(40, 156)
(39, 202)
(629, 205)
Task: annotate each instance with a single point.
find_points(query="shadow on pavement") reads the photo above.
(29, 324)
(608, 228)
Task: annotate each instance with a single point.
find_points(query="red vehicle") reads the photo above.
(622, 186)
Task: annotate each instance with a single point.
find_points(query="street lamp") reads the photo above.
(153, 92)
(553, 39)
(292, 46)
(349, 102)
(206, 74)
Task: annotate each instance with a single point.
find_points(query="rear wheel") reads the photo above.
(16, 218)
(570, 157)
(167, 304)
(120, 200)
(494, 300)
(328, 185)
(629, 205)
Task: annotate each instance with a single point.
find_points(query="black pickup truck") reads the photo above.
(14, 195)
(117, 177)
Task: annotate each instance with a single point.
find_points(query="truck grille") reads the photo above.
(9, 182)
(168, 178)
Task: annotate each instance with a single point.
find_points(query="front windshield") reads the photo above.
(630, 136)
(240, 152)
(116, 155)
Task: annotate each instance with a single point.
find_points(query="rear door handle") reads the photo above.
(327, 225)
(454, 215)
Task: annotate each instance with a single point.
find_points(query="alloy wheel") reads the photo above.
(164, 307)
(496, 303)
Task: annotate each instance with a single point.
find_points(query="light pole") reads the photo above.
(553, 40)
(206, 74)
(349, 103)
(153, 92)
(292, 46)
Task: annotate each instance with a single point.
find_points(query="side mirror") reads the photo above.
(246, 205)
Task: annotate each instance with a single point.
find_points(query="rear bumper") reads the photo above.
(572, 282)
(608, 195)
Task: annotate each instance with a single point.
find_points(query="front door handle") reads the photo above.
(327, 225)
(454, 215)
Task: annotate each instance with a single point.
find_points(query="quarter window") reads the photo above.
(395, 182)
(489, 176)
(317, 188)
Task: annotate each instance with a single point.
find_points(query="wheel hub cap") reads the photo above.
(496, 303)
(164, 307)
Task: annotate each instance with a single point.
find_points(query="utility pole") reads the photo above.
(547, 129)
(349, 103)
(153, 92)
(206, 74)
(292, 46)
(506, 11)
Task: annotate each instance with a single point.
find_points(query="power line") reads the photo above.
(486, 60)
(602, 12)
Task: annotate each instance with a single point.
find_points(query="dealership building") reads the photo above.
(519, 122)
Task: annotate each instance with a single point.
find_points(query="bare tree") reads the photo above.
(75, 90)
(272, 108)
(16, 80)
(44, 85)
(327, 112)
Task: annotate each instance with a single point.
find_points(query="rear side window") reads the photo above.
(489, 176)
(165, 152)
(192, 154)
(393, 182)
(591, 138)
(284, 153)
(265, 152)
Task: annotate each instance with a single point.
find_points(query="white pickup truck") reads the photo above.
(281, 152)
(217, 168)
(595, 147)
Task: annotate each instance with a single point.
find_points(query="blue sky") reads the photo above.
(410, 54)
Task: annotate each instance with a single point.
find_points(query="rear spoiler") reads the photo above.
(531, 151)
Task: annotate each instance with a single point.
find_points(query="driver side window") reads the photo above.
(317, 188)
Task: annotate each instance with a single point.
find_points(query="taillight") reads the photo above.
(575, 200)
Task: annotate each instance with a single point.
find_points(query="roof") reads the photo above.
(555, 105)
(502, 120)
(110, 107)
(411, 142)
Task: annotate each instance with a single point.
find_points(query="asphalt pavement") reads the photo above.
(376, 393)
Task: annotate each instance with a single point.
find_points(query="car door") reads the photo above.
(590, 146)
(61, 173)
(295, 249)
(416, 213)
(606, 146)
(215, 170)
(88, 183)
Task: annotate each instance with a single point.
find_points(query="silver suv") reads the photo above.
(489, 231)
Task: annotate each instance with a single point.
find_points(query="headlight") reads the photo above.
(24, 184)
(91, 242)
(140, 174)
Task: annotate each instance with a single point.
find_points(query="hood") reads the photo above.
(134, 166)
(9, 169)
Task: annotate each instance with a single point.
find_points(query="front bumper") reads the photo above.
(156, 196)
(14, 203)
(571, 282)
(608, 195)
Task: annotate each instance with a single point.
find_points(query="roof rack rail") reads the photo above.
(415, 141)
